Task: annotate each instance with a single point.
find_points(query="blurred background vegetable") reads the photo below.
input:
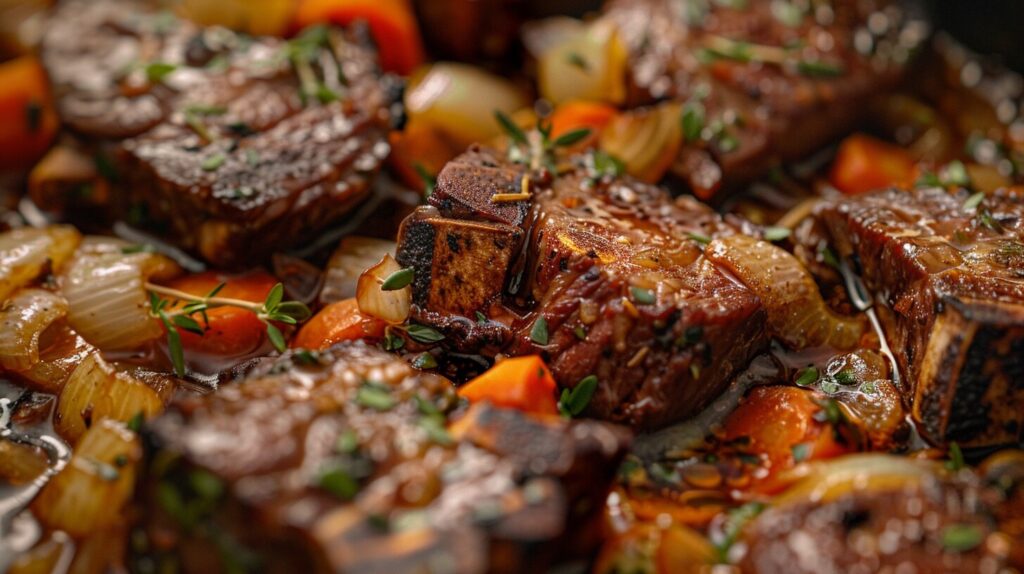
(578, 61)
(260, 17)
(28, 121)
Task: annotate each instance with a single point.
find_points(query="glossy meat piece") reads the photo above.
(936, 524)
(949, 279)
(606, 264)
(210, 131)
(774, 82)
(261, 472)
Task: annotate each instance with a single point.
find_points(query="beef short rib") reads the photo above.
(602, 275)
(949, 278)
(233, 146)
(340, 461)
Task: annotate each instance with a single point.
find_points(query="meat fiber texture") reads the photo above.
(213, 139)
(612, 269)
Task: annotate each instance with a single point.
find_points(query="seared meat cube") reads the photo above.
(767, 81)
(948, 274)
(238, 146)
(340, 462)
(877, 513)
(604, 276)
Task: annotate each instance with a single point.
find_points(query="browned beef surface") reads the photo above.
(949, 278)
(773, 81)
(609, 265)
(214, 134)
(934, 525)
(338, 462)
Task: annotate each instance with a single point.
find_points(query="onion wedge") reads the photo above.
(22, 321)
(27, 253)
(797, 314)
(392, 306)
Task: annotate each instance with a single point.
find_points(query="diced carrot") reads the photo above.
(781, 424)
(232, 332)
(523, 383)
(580, 114)
(864, 164)
(337, 322)
(28, 121)
(392, 23)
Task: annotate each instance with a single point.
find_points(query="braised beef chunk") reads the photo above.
(948, 272)
(602, 275)
(762, 83)
(937, 525)
(340, 461)
(238, 145)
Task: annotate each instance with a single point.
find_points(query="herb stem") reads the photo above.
(212, 302)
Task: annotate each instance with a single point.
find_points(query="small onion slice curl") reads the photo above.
(27, 253)
(389, 306)
(797, 314)
(23, 320)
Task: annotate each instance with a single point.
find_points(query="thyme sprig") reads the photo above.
(536, 148)
(273, 309)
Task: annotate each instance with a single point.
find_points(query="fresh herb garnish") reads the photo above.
(134, 424)
(375, 397)
(776, 233)
(214, 162)
(539, 332)
(807, 377)
(956, 457)
(573, 137)
(429, 181)
(819, 69)
(974, 201)
(424, 361)
(702, 239)
(962, 537)
(337, 481)
(272, 309)
(800, 452)
(481, 319)
(392, 342)
(643, 296)
(734, 523)
(845, 377)
(398, 280)
(137, 248)
(423, 334)
(580, 333)
(157, 72)
(574, 401)
(511, 129)
(692, 121)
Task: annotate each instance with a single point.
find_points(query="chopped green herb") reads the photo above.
(845, 377)
(573, 402)
(423, 334)
(643, 296)
(481, 318)
(734, 523)
(276, 338)
(393, 342)
(435, 429)
(214, 162)
(955, 173)
(692, 121)
(138, 248)
(306, 358)
(702, 239)
(339, 482)
(424, 361)
(157, 72)
(580, 333)
(819, 69)
(800, 452)
(134, 424)
(776, 233)
(188, 323)
(375, 397)
(205, 484)
(807, 377)
(575, 59)
(514, 132)
(956, 457)
(962, 537)
(974, 201)
(539, 332)
(347, 443)
(429, 181)
(570, 138)
(727, 142)
(206, 110)
(326, 95)
(398, 280)
(606, 164)
(829, 258)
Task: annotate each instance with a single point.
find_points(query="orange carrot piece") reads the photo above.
(864, 164)
(28, 122)
(337, 322)
(523, 383)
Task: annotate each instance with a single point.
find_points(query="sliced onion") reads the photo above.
(797, 314)
(353, 256)
(27, 253)
(646, 140)
(460, 101)
(21, 463)
(95, 391)
(390, 306)
(588, 64)
(22, 321)
(108, 303)
(61, 350)
(93, 488)
(869, 472)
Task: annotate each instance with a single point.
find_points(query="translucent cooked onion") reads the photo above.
(460, 100)
(107, 301)
(584, 62)
(353, 256)
(869, 472)
(93, 488)
(22, 322)
(646, 140)
(95, 391)
(27, 253)
(797, 314)
(390, 306)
